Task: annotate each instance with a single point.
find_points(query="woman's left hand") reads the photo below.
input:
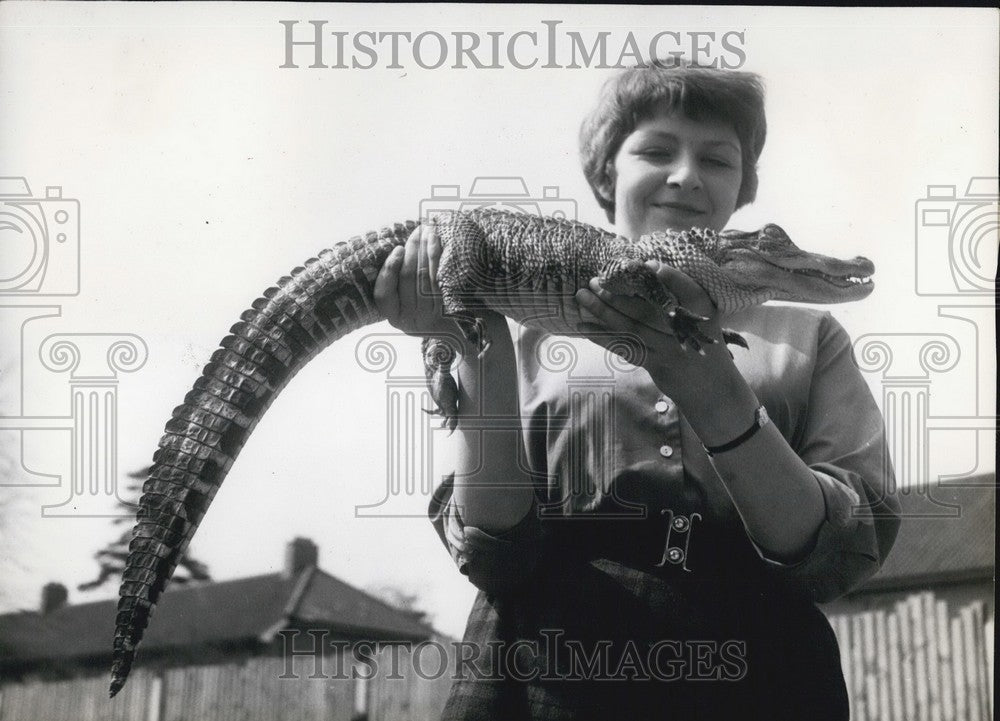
(671, 366)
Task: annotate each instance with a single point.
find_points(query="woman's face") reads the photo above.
(675, 173)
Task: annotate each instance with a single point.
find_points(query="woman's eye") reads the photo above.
(719, 162)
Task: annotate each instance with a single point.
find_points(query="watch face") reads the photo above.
(762, 418)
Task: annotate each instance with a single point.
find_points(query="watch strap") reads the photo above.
(761, 419)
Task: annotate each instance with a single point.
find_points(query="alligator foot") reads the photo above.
(445, 394)
(438, 356)
(450, 420)
(686, 327)
(474, 329)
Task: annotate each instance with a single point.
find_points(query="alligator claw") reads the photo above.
(688, 333)
(685, 325)
(731, 337)
(450, 419)
(687, 315)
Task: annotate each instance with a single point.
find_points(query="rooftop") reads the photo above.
(946, 536)
(247, 609)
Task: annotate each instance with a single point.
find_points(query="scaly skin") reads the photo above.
(515, 264)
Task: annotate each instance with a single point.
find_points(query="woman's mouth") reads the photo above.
(679, 207)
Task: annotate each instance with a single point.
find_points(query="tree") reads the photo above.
(112, 558)
(408, 603)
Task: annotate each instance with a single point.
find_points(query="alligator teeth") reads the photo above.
(852, 279)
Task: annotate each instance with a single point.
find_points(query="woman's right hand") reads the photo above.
(406, 290)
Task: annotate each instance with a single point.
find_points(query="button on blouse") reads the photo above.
(601, 447)
(634, 539)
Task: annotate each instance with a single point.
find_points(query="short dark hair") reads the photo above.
(701, 93)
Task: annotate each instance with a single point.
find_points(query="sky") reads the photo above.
(195, 170)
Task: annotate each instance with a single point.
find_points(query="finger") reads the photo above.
(386, 294)
(635, 308)
(408, 274)
(572, 308)
(425, 291)
(587, 317)
(610, 316)
(682, 285)
(631, 305)
(434, 250)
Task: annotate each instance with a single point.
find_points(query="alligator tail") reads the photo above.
(329, 297)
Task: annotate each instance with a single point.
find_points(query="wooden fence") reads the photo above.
(81, 699)
(420, 695)
(246, 691)
(918, 661)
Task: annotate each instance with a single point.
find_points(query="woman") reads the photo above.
(656, 543)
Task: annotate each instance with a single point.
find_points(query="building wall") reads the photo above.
(955, 594)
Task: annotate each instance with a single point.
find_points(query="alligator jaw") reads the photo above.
(768, 261)
(840, 281)
(803, 277)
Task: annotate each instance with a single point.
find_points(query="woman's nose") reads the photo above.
(684, 173)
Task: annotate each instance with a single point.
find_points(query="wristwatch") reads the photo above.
(760, 420)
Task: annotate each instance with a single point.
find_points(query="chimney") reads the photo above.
(54, 597)
(299, 555)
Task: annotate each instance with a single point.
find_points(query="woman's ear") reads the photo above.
(607, 186)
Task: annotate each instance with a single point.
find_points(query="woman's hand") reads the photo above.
(673, 367)
(406, 290)
(491, 488)
(762, 474)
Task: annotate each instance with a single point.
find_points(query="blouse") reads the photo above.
(632, 584)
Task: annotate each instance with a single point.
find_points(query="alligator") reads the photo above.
(523, 266)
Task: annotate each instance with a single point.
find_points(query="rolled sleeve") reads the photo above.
(851, 544)
(493, 563)
(844, 446)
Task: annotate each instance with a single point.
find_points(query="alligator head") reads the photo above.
(767, 259)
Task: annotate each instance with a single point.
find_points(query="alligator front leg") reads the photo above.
(466, 277)
(633, 277)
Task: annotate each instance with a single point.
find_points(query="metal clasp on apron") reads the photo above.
(678, 542)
